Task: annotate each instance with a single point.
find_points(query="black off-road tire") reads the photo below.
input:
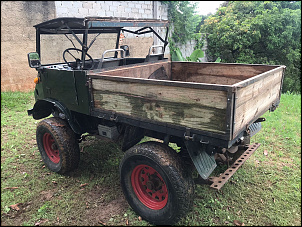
(57, 145)
(165, 195)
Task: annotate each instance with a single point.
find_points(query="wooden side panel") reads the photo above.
(215, 73)
(193, 108)
(212, 79)
(138, 71)
(255, 99)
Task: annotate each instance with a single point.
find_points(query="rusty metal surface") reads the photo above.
(218, 182)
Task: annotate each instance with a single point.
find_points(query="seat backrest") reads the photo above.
(155, 57)
(109, 62)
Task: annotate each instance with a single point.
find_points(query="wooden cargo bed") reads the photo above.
(215, 98)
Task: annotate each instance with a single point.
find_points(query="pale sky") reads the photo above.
(205, 7)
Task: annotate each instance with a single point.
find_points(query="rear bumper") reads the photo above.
(218, 182)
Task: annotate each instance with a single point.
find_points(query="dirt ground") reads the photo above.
(98, 204)
(97, 212)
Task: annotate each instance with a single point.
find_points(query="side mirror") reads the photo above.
(126, 49)
(33, 60)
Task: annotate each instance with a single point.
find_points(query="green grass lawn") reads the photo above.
(266, 190)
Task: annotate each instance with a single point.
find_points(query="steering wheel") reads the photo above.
(78, 63)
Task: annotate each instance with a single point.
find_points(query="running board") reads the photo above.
(218, 182)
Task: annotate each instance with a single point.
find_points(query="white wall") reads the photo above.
(188, 48)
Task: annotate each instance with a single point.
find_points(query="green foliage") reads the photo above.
(200, 39)
(185, 26)
(258, 32)
(181, 15)
(176, 55)
(218, 60)
(13, 101)
(198, 53)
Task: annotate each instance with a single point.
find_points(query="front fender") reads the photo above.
(41, 109)
(44, 107)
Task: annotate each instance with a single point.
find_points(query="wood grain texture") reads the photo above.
(137, 71)
(255, 99)
(203, 107)
(255, 89)
(211, 79)
(194, 108)
(227, 74)
(208, 98)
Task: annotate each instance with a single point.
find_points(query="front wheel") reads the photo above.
(156, 184)
(58, 145)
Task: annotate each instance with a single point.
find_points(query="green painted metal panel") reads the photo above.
(82, 92)
(68, 87)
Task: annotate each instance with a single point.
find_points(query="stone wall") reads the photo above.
(18, 33)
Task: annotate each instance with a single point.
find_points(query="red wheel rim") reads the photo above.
(149, 187)
(51, 148)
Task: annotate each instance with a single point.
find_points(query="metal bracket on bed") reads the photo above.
(112, 50)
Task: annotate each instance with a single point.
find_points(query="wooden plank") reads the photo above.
(211, 79)
(194, 108)
(255, 99)
(182, 114)
(183, 70)
(138, 71)
(250, 92)
(209, 98)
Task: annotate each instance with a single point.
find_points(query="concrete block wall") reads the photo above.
(138, 45)
(128, 9)
(132, 9)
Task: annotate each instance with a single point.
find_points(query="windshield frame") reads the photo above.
(97, 25)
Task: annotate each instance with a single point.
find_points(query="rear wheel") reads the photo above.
(58, 145)
(156, 184)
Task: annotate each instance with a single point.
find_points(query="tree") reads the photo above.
(182, 16)
(258, 32)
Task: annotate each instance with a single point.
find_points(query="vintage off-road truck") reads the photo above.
(209, 110)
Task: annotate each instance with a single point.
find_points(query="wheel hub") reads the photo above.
(51, 148)
(54, 146)
(149, 187)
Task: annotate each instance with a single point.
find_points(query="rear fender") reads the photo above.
(43, 108)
